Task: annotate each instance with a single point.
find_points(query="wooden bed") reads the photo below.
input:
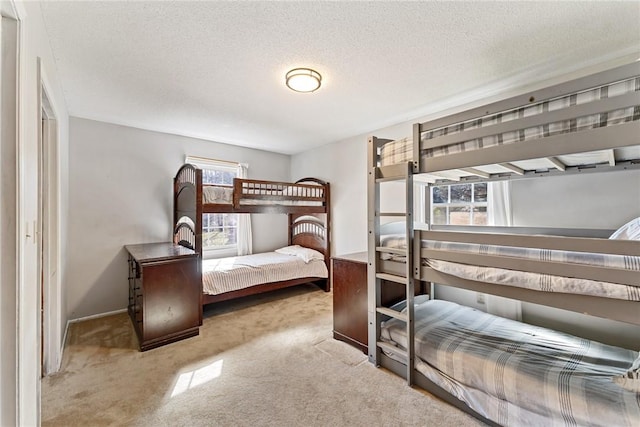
(305, 202)
(590, 124)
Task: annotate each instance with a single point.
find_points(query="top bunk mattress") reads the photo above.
(218, 194)
(401, 151)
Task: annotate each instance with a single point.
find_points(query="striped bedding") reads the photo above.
(212, 194)
(534, 281)
(537, 281)
(234, 273)
(401, 151)
(517, 374)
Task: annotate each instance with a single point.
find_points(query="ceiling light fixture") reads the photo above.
(303, 80)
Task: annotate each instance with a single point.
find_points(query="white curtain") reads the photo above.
(500, 214)
(499, 203)
(245, 242)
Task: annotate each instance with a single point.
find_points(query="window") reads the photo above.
(219, 230)
(459, 204)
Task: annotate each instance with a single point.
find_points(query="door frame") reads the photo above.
(49, 226)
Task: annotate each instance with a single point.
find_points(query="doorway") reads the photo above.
(48, 232)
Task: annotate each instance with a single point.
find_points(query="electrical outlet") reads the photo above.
(479, 298)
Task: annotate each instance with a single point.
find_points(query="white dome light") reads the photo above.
(303, 80)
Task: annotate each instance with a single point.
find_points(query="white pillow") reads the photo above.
(393, 241)
(306, 254)
(629, 231)
(630, 379)
(396, 227)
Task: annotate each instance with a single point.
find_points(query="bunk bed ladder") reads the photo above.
(377, 278)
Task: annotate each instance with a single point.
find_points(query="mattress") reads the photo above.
(529, 280)
(517, 374)
(233, 273)
(401, 151)
(212, 194)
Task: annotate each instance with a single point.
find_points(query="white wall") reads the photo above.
(8, 246)
(20, 388)
(599, 201)
(344, 165)
(592, 201)
(121, 192)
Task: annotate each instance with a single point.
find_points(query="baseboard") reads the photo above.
(96, 316)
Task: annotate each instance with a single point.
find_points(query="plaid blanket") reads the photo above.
(402, 150)
(517, 374)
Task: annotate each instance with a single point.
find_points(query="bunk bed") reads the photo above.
(305, 259)
(590, 124)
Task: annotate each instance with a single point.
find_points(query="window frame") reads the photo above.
(449, 204)
(221, 166)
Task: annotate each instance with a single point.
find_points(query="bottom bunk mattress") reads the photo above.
(517, 374)
(231, 274)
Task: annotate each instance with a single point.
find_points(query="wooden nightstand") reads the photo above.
(165, 291)
(350, 305)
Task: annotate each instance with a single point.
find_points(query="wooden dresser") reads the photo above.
(165, 291)
(350, 305)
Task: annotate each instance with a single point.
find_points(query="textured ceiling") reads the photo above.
(215, 70)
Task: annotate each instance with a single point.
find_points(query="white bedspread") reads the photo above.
(233, 273)
(517, 374)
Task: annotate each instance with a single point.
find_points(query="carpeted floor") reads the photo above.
(261, 361)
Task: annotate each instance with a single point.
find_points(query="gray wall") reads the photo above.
(602, 200)
(599, 201)
(120, 186)
(344, 165)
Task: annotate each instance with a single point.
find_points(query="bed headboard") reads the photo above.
(311, 231)
(187, 207)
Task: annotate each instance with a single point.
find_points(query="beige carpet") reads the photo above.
(265, 361)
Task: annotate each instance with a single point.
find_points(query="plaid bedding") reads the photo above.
(539, 281)
(523, 279)
(402, 150)
(517, 374)
(399, 151)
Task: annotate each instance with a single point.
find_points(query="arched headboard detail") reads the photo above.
(187, 202)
